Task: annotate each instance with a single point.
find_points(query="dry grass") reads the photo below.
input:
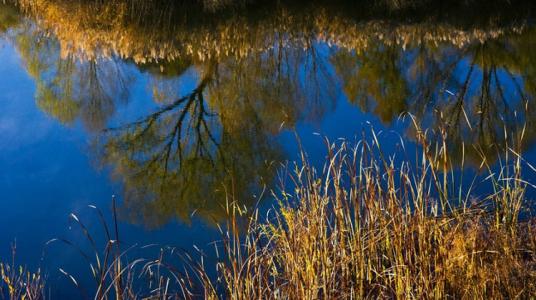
(363, 227)
(19, 282)
(366, 228)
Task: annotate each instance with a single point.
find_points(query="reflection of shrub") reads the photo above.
(8, 17)
(163, 33)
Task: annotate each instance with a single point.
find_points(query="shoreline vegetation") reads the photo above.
(367, 225)
(92, 30)
(364, 226)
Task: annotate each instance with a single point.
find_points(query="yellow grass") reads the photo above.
(362, 227)
(366, 228)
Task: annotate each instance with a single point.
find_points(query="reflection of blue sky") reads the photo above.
(20, 123)
(46, 172)
(46, 169)
(342, 120)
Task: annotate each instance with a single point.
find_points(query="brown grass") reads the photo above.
(19, 282)
(366, 228)
(363, 227)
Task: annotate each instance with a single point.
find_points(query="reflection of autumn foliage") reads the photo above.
(198, 149)
(66, 88)
(374, 79)
(8, 18)
(186, 157)
(89, 30)
(216, 143)
(480, 92)
(218, 139)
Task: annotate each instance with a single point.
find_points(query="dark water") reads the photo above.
(174, 111)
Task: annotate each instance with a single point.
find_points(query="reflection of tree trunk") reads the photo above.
(484, 96)
(517, 86)
(482, 100)
(459, 105)
(429, 84)
(98, 103)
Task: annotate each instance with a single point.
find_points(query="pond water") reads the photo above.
(173, 110)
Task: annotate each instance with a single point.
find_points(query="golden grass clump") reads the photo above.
(367, 229)
(20, 283)
(367, 226)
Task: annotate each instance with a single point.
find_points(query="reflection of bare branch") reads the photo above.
(191, 109)
(437, 77)
(458, 108)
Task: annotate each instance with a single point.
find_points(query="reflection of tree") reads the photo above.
(478, 93)
(82, 90)
(219, 140)
(184, 158)
(67, 88)
(373, 80)
(193, 152)
(9, 17)
(282, 86)
(485, 106)
(216, 141)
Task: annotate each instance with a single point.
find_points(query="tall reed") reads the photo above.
(365, 227)
(17, 282)
(368, 225)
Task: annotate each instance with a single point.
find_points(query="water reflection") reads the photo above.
(8, 18)
(479, 92)
(256, 75)
(67, 88)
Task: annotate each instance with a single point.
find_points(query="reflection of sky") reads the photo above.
(46, 170)
(46, 173)
(19, 121)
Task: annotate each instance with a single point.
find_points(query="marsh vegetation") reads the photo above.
(441, 212)
(362, 227)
